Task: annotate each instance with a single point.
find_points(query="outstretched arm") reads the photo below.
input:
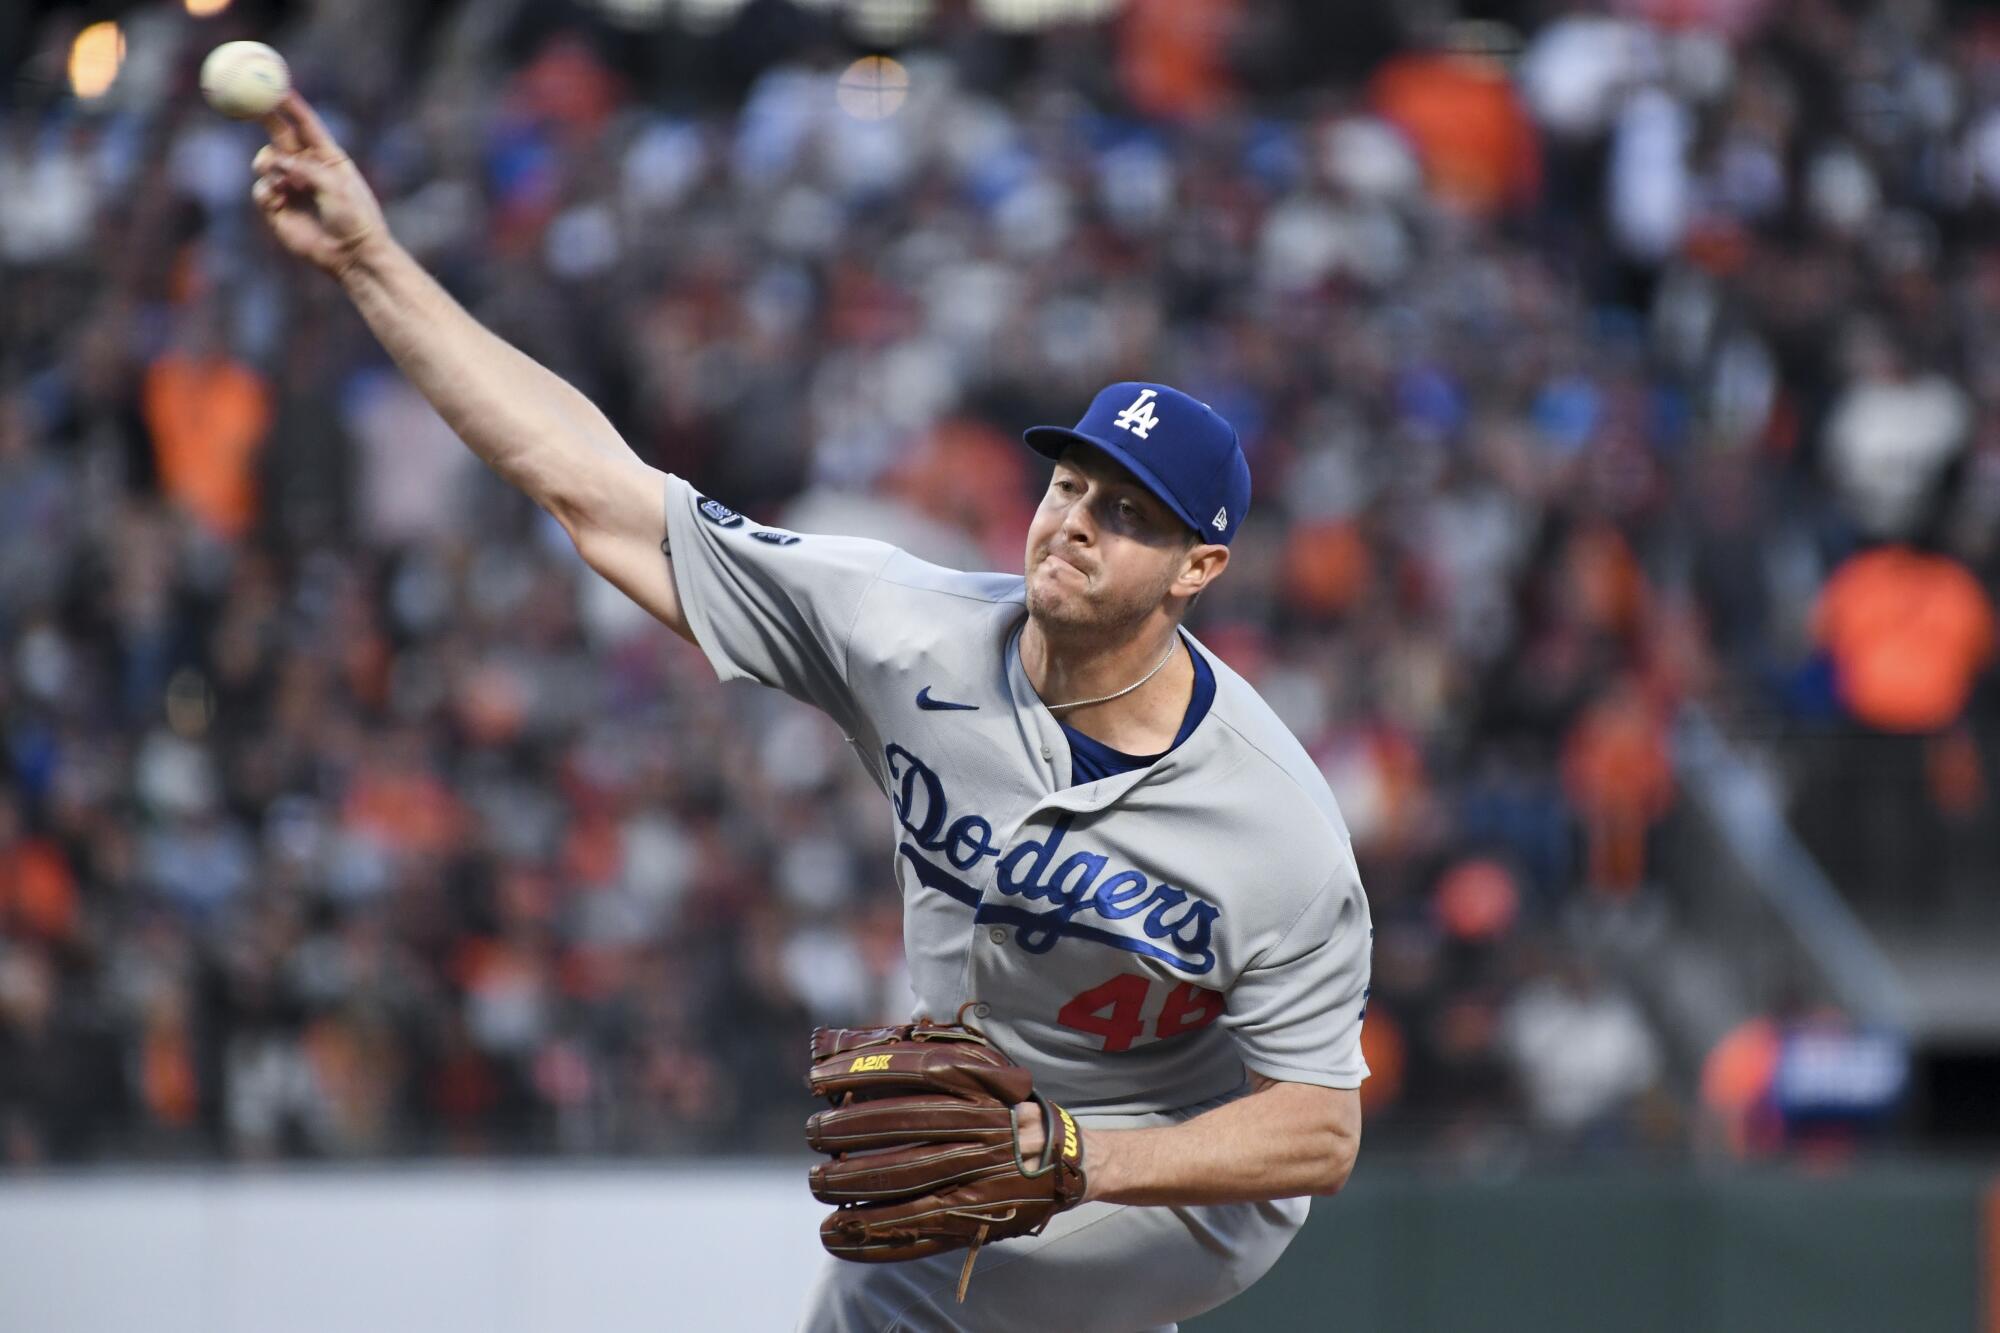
(543, 436)
(1280, 1140)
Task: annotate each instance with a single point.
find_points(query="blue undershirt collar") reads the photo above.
(1092, 759)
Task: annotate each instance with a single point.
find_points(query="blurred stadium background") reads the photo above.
(1622, 387)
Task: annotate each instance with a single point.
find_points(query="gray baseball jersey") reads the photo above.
(1135, 941)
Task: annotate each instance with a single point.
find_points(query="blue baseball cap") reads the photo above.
(1176, 446)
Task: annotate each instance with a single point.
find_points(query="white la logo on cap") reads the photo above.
(1221, 520)
(1140, 417)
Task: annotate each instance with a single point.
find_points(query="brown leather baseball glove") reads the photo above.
(925, 1148)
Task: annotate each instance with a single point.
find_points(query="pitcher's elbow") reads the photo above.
(1340, 1160)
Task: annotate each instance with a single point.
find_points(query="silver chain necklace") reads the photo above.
(1105, 699)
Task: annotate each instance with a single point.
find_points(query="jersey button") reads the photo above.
(982, 1011)
(1047, 753)
(998, 935)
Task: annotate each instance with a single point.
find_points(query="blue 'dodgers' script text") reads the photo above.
(1174, 926)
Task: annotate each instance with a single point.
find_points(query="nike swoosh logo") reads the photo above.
(925, 701)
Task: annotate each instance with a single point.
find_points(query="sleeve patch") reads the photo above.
(719, 513)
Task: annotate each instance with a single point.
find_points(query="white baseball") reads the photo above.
(244, 80)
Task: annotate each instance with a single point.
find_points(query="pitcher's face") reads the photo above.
(1103, 551)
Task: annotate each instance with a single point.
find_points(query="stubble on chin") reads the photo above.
(1073, 614)
(1056, 608)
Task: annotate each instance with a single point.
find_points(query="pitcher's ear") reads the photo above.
(1205, 563)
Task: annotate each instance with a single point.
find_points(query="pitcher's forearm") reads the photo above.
(530, 426)
(1238, 1153)
(1280, 1141)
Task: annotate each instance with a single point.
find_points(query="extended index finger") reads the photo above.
(284, 137)
(305, 122)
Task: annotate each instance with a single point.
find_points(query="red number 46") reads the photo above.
(1116, 1009)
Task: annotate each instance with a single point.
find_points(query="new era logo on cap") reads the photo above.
(1190, 456)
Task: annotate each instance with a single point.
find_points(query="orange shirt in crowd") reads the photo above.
(409, 812)
(1618, 771)
(1736, 1081)
(1470, 130)
(208, 418)
(1616, 762)
(1171, 59)
(37, 891)
(1387, 1053)
(1909, 633)
(1328, 566)
(168, 1083)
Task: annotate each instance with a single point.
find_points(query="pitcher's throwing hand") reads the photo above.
(310, 191)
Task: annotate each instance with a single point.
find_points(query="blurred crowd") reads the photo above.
(1588, 364)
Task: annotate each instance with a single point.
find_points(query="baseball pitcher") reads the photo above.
(1130, 907)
